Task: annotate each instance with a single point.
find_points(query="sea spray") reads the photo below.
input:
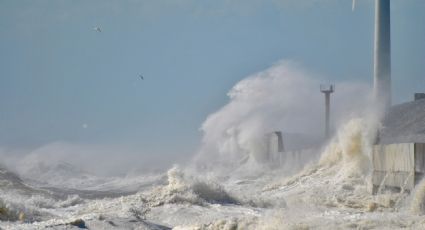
(347, 153)
(240, 191)
(340, 178)
(284, 97)
(350, 148)
(184, 188)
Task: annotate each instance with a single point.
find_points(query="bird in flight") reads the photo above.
(141, 76)
(97, 29)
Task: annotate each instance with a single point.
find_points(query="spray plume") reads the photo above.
(283, 97)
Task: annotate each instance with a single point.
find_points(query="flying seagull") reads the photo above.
(141, 76)
(97, 29)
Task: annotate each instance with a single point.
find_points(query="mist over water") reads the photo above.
(111, 160)
(229, 184)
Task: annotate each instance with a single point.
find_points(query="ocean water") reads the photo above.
(229, 184)
(330, 193)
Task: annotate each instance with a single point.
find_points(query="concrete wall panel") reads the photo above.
(420, 157)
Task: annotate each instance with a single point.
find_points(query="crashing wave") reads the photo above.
(184, 189)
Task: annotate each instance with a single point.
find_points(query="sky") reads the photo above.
(61, 81)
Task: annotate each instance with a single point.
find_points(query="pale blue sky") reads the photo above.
(57, 73)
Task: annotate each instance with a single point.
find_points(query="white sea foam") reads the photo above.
(230, 185)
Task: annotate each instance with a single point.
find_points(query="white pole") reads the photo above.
(382, 55)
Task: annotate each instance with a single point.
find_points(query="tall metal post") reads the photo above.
(327, 90)
(382, 55)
